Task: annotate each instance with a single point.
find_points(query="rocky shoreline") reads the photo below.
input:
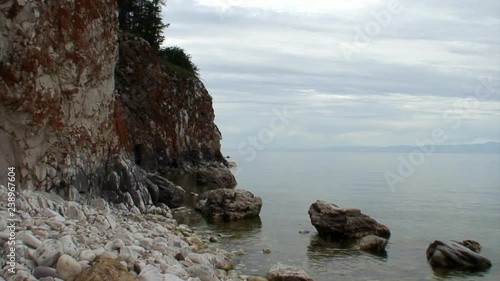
(65, 240)
(55, 239)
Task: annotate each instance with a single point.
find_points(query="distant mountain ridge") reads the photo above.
(489, 147)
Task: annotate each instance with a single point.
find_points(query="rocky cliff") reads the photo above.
(68, 127)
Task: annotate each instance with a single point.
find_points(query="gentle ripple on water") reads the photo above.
(449, 197)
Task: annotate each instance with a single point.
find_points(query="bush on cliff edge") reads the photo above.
(175, 60)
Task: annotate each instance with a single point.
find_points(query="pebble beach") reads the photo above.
(58, 240)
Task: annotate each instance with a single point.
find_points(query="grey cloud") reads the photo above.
(253, 62)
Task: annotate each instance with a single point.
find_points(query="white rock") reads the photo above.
(99, 251)
(204, 272)
(171, 277)
(197, 258)
(22, 251)
(69, 246)
(52, 214)
(146, 243)
(175, 241)
(99, 203)
(138, 235)
(110, 254)
(150, 273)
(111, 220)
(68, 268)
(178, 270)
(138, 249)
(87, 255)
(75, 213)
(129, 251)
(48, 253)
(118, 244)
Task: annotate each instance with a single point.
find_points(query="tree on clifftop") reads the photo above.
(142, 18)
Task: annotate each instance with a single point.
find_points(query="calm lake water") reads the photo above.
(449, 196)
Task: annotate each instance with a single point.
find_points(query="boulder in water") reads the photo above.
(337, 223)
(452, 255)
(229, 204)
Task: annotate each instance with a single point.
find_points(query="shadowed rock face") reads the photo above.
(452, 255)
(168, 193)
(215, 177)
(229, 204)
(168, 120)
(337, 223)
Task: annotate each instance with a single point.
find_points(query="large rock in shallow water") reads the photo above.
(282, 272)
(229, 204)
(337, 223)
(452, 255)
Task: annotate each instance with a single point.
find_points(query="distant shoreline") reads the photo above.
(490, 147)
(483, 148)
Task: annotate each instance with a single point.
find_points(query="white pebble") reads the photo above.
(67, 267)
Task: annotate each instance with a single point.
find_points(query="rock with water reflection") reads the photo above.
(338, 223)
(452, 255)
(373, 243)
(282, 272)
(229, 204)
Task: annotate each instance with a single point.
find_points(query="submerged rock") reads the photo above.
(452, 255)
(229, 204)
(337, 223)
(373, 243)
(282, 272)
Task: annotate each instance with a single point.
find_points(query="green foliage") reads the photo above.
(175, 60)
(142, 18)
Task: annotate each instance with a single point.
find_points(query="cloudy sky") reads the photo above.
(315, 73)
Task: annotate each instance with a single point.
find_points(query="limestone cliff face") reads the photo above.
(57, 61)
(66, 127)
(169, 120)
